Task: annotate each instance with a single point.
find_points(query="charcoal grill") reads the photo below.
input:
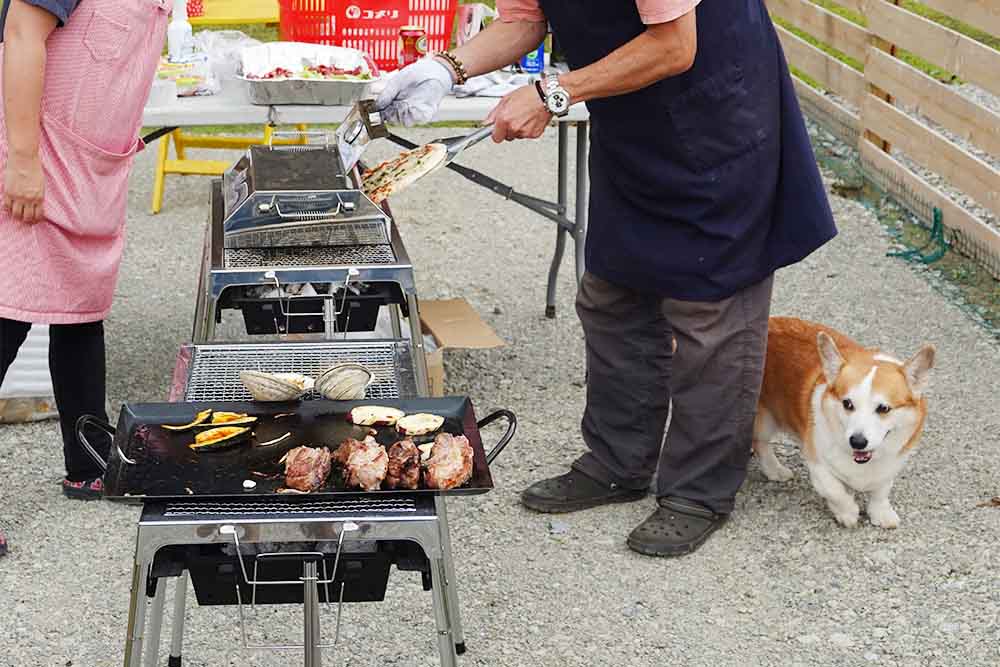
(290, 540)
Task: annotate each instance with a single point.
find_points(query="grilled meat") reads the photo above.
(306, 468)
(366, 464)
(450, 464)
(404, 466)
(344, 451)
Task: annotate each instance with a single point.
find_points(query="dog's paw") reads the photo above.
(883, 516)
(777, 473)
(847, 516)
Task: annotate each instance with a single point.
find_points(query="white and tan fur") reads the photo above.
(822, 388)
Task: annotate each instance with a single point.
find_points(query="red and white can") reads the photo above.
(412, 44)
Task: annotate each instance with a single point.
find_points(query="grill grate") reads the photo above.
(243, 258)
(353, 506)
(302, 235)
(215, 369)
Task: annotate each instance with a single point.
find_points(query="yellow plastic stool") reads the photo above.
(182, 141)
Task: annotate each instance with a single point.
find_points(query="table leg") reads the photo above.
(580, 231)
(562, 194)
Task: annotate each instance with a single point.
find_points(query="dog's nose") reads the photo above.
(859, 441)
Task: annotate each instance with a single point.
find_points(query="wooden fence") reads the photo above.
(874, 56)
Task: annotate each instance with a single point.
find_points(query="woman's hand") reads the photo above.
(24, 188)
(519, 115)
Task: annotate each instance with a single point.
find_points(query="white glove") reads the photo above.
(413, 95)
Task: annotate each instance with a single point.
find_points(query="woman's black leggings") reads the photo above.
(76, 361)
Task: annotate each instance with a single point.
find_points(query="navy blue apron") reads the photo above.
(703, 183)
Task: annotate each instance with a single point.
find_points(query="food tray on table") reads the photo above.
(149, 462)
(299, 73)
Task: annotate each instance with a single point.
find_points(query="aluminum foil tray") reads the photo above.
(306, 91)
(299, 87)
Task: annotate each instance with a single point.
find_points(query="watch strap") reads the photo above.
(541, 92)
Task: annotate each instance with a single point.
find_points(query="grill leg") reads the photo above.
(177, 627)
(445, 638)
(417, 346)
(580, 232)
(310, 615)
(397, 328)
(563, 198)
(136, 616)
(155, 623)
(450, 581)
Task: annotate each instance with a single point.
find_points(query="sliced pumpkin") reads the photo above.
(419, 424)
(200, 418)
(232, 418)
(219, 438)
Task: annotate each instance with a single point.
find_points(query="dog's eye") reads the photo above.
(848, 404)
(882, 408)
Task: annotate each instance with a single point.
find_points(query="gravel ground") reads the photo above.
(780, 585)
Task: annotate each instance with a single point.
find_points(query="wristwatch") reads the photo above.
(554, 97)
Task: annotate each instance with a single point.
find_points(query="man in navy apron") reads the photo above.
(703, 184)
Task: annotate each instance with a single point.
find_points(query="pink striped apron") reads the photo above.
(99, 70)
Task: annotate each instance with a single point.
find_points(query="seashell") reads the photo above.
(275, 386)
(344, 382)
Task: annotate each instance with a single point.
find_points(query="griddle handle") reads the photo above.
(507, 437)
(88, 420)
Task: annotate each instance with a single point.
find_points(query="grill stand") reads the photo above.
(222, 269)
(157, 531)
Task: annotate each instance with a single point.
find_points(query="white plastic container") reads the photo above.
(180, 37)
(26, 394)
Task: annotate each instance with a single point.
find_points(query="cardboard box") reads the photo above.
(453, 323)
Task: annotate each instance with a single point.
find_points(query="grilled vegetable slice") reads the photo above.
(419, 424)
(232, 418)
(219, 438)
(200, 418)
(374, 415)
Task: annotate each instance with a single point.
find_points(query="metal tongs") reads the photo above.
(455, 145)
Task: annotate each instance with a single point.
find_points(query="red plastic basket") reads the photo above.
(368, 25)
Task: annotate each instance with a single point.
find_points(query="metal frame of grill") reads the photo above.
(226, 268)
(211, 371)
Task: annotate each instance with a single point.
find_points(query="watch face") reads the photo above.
(558, 102)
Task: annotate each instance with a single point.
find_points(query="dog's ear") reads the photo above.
(918, 369)
(829, 356)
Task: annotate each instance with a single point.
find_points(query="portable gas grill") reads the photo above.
(290, 216)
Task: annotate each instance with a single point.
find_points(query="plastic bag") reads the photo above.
(223, 48)
(193, 77)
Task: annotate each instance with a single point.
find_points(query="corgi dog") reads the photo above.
(857, 413)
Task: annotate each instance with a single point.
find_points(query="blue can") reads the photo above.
(533, 62)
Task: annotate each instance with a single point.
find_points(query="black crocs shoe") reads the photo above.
(91, 489)
(573, 492)
(676, 528)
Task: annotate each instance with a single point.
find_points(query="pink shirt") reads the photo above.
(651, 11)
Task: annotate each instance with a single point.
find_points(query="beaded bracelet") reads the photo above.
(460, 74)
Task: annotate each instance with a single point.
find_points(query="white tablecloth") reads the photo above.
(232, 107)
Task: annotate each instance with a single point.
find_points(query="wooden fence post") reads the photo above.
(880, 43)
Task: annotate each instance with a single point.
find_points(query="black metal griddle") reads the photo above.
(148, 462)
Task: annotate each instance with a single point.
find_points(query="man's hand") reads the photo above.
(24, 188)
(413, 95)
(519, 115)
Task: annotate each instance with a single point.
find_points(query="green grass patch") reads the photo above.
(822, 46)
